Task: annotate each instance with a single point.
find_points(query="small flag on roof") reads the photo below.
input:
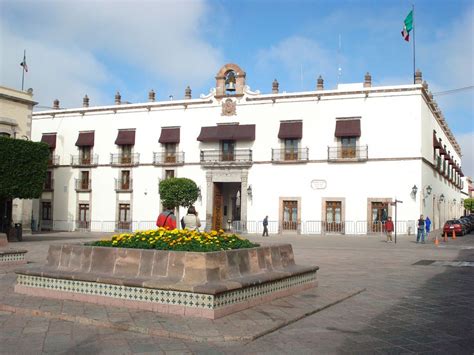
(23, 64)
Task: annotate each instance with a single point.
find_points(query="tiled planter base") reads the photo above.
(208, 285)
(165, 301)
(12, 257)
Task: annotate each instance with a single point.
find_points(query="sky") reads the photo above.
(99, 47)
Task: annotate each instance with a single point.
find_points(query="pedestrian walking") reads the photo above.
(421, 230)
(166, 219)
(427, 227)
(265, 227)
(191, 220)
(389, 229)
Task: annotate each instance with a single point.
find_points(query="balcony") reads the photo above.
(53, 160)
(290, 156)
(163, 158)
(348, 154)
(123, 185)
(48, 185)
(83, 161)
(83, 185)
(124, 159)
(216, 157)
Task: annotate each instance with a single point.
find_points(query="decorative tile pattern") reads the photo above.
(9, 257)
(166, 297)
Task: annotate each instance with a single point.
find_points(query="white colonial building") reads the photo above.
(314, 162)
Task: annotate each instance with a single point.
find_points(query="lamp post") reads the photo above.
(395, 203)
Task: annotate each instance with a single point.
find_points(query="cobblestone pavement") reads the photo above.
(410, 305)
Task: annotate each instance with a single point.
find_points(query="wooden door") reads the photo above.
(83, 215)
(333, 216)
(217, 206)
(124, 216)
(290, 215)
(378, 216)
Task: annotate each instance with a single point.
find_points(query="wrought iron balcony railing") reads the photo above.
(123, 185)
(290, 156)
(357, 153)
(164, 158)
(53, 160)
(78, 160)
(217, 156)
(125, 159)
(83, 185)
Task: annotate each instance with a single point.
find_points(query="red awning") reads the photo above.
(347, 128)
(227, 132)
(291, 130)
(49, 139)
(85, 139)
(169, 135)
(125, 137)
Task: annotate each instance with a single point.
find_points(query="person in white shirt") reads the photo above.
(191, 220)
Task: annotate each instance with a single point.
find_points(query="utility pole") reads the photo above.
(395, 203)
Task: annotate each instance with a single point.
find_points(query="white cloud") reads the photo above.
(294, 54)
(466, 141)
(161, 40)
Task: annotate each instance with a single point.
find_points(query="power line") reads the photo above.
(453, 91)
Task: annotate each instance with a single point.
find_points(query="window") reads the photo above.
(125, 180)
(84, 181)
(169, 174)
(83, 221)
(290, 215)
(228, 148)
(124, 216)
(46, 214)
(48, 184)
(170, 152)
(85, 155)
(333, 216)
(126, 151)
(348, 147)
(291, 149)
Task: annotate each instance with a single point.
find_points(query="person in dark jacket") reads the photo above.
(421, 230)
(265, 227)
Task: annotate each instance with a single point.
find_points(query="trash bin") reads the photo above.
(19, 231)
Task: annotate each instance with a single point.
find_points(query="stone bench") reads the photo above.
(12, 256)
(204, 284)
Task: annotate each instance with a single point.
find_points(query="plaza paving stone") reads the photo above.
(404, 308)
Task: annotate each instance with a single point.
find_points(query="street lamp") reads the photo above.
(414, 190)
(441, 198)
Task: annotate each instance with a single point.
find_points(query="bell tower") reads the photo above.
(230, 81)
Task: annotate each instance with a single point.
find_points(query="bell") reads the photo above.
(231, 86)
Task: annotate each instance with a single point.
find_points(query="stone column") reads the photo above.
(209, 200)
(243, 200)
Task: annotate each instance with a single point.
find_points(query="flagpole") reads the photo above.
(414, 64)
(23, 74)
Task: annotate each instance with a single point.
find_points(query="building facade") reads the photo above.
(322, 161)
(16, 109)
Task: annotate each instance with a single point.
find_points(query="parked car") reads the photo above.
(454, 225)
(468, 223)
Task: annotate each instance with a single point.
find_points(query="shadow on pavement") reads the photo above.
(437, 318)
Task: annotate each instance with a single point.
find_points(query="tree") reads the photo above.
(23, 166)
(469, 204)
(175, 192)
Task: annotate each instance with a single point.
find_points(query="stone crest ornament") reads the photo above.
(228, 108)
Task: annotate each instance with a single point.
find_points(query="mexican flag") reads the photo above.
(407, 26)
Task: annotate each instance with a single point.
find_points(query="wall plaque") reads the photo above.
(318, 184)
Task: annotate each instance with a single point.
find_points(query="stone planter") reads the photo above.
(208, 285)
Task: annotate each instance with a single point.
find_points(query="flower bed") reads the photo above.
(177, 240)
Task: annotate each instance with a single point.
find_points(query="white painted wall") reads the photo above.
(396, 125)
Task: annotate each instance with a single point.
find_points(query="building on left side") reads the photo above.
(16, 109)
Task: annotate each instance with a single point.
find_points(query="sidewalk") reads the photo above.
(372, 297)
